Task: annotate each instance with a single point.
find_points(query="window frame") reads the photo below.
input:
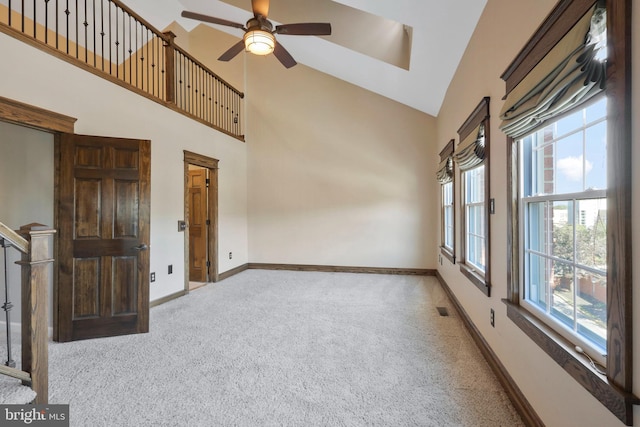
(525, 220)
(615, 391)
(468, 205)
(482, 280)
(448, 252)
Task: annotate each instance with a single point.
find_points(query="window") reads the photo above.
(472, 156)
(447, 216)
(563, 220)
(474, 207)
(446, 177)
(569, 162)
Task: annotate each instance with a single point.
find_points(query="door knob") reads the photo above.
(142, 247)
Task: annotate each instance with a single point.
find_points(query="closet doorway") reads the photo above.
(201, 215)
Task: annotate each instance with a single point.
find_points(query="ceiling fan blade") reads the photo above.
(211, 19)
(260, 7)
(305, 29)
(232, 52)
(284, 56)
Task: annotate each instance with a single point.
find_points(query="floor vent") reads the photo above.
(442, 311)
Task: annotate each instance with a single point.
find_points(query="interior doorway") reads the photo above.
(197, 183)
(201, 217)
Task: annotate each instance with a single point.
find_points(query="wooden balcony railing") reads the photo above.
(34, 242)
(109, 39)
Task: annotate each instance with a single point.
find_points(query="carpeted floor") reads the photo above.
(287, 348)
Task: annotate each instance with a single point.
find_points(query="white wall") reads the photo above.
(103, 108)
(503, 30)
(26, 196)
(337, 175)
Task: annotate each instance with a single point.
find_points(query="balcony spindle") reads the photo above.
(112, 36)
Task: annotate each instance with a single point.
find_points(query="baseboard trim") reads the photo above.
(343, 269)
(232, 272)
(520, 402)
(167, 298)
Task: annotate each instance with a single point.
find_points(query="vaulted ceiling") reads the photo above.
(406, 50)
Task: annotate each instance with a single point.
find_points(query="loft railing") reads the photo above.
(111, 40)
(33, 241)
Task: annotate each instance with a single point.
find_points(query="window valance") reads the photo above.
(471, 151)
(445, 169)
(570, 74)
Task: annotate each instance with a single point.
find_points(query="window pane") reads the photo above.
(528, 169)
(596, 162)
(538, 273)
(474, 185)
(562, 226)
(568, 176)
(471, 250)
(447, 214)
(591, 233)
(480, 219)
(447, 192)
(597, 110)
(592, 306)
(475, 252)
(539, 232)
(448, 221)
(449, 238)
(563, 299)
(569, 123)
(471, 220)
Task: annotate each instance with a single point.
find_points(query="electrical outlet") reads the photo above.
(493, 318)
(440, 259)
(170, 268)
(230, 255)
(153, 277)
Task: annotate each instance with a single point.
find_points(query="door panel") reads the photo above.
(126, 209)
(86, 299)
(124, 297)
(103, 220)
(198, 225)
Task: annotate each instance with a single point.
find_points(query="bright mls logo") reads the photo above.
(34, 415)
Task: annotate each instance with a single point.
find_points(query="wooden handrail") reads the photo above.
(14, 239)
(204, 67)
(139, 18)
(168, 39)
(107, 38)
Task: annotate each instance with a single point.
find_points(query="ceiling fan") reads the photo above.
(259, 35)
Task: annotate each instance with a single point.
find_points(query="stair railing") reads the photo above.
(109, 39)
(34, 242)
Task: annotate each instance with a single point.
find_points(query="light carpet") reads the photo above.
(291, 349)
(12, 392)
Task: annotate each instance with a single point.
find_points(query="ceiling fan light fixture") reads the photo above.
(259, 42)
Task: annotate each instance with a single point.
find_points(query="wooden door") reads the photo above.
(198, 225)
(102, 216)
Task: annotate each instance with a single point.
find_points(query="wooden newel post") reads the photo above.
(35, 320)
(170, 67)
